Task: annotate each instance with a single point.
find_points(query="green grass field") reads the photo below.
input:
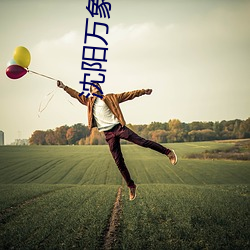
(62, 197)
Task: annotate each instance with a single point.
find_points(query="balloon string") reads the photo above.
(50, 96)
(71, 103)
(31, 71)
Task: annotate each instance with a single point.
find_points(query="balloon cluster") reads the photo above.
(18, 65)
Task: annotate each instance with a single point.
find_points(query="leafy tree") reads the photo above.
(159, 135)
(185, 130)
(38, 138)
(175, 133)
(71, 136)
(217, 129)
(202, 135)
(196, 126)
(157, 125)
(76, 133)
(50, 137)
(60, 134)
(145, 133)
(245, 129)
(236, 129)
(96, 138)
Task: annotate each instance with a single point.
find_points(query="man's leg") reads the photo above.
(115, 149)
(129, 135)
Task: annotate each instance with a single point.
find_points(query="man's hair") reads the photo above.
(95, 84)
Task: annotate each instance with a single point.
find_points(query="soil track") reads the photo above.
(112, 230)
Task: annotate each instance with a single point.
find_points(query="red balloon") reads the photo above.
(15, 71)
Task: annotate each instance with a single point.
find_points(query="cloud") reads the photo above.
(67, 40)
(58, 56)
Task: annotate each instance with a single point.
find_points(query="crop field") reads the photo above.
(73, 197)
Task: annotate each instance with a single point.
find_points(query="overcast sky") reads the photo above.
(194, 54)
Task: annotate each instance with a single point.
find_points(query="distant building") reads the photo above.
(1, 138)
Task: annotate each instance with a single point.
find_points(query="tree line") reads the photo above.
(172, 131)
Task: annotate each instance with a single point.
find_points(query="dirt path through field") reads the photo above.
(111, 235)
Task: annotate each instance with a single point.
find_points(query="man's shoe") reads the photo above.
(132, 193)
(172, 157)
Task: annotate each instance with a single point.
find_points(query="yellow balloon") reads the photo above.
(22, 56)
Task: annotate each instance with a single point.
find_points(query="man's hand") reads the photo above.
(148, 91)
(60, 84)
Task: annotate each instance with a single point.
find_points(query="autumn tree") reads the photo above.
(60, 134)
(70, 136)
(175, 133)
(159, 135)
(50, 137)
(76, 133)
(95, 138)
(38, 138)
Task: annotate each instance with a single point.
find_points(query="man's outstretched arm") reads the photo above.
(82, 99)
(132, 94)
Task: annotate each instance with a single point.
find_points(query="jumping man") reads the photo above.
(105, 114)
